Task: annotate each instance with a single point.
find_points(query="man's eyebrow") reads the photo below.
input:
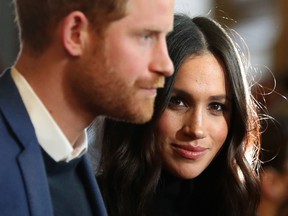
(157, 29)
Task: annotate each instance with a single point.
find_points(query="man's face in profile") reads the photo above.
(124, 70)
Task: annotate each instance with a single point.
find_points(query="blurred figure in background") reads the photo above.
(274, 175)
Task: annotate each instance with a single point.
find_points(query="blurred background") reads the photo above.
(261, 24)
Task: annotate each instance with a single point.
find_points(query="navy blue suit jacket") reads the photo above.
(24, 189)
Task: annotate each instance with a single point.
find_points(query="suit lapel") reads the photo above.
(30, 159)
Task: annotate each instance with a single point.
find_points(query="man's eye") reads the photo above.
(146, 36)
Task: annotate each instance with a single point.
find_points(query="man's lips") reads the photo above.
(189, 152)
(153, 84)
(151, 91)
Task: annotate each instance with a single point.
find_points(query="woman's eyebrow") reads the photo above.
(185, 94)
(221, 97)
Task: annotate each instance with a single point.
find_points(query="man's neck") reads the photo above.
(46, 77)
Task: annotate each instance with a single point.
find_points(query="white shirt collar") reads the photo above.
(49, 135)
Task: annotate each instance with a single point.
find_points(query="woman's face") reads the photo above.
(194, 126)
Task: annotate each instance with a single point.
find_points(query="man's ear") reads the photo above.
(75, 33)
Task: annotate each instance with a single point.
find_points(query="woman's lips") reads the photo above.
(189, 152)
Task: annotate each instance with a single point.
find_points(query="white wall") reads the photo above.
(193, 7)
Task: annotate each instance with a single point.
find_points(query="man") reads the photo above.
(78, 60)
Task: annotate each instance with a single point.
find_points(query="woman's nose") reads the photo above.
(195, 125)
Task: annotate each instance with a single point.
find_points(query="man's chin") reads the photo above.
(140, 115)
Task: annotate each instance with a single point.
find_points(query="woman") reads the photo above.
(199, 153)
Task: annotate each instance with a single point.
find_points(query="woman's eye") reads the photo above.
(217, 108)
(176, 102)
